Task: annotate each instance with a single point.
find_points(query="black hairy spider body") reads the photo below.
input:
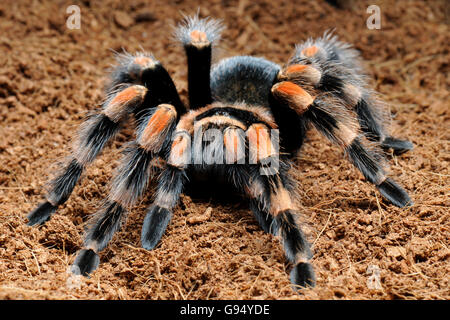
(247, 118)
(243, 78)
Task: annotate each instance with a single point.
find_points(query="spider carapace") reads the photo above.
(246, 101)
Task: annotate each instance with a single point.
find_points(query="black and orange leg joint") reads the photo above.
(93, 136)
(257, 189)
(289, 102)
(261, 148)
(367, 161)
(126, 101)
(275, 211)
(292, 95)
(198, 37)
(301, 74)
(296, 246)
(155, 133)
(234, 144)
(128, 185)
(145, 70)
(355, 96)
(315, 69)
(170, 186)
(130, 68)
(162, 90)
(180, 153)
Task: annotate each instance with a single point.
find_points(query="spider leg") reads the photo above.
(198, 37)
(142, 68)
(93, 135)
(274, 204)
(128, 185)
(235, 155)
(240, 177)
(364, 158)
(338, 124)
(326, 65)
(159, 213)
(170, 186)
(131, 80)
(269, 188)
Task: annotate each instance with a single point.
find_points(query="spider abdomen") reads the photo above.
(243, 79)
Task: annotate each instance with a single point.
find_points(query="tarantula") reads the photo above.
(246, 99)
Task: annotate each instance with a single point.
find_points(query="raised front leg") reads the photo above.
(198, 37)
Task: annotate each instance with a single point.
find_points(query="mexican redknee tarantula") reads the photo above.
(246, 99)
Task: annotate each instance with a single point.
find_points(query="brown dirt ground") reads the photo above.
(51, 76)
